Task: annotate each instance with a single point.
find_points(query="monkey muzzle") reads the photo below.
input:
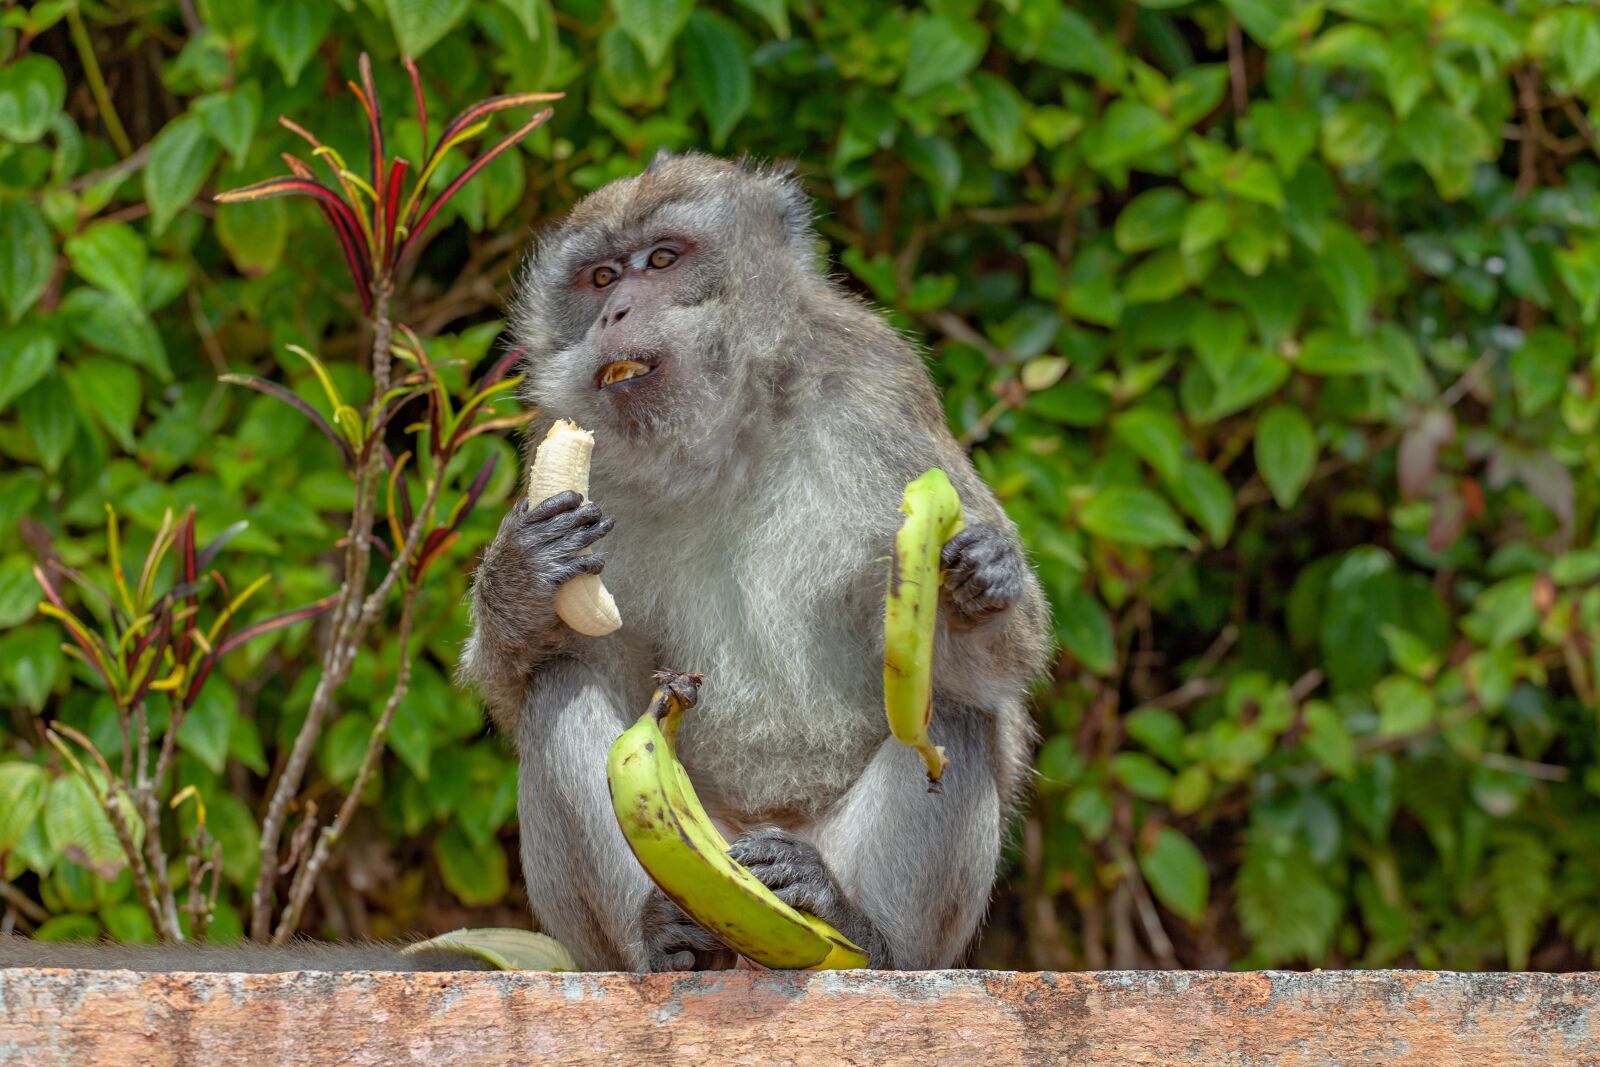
(625, 370)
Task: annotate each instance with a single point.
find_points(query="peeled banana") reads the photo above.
(562, 463)
(932, 512)
(686, 855)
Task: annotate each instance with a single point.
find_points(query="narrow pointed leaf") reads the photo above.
(277, 622)
(477, 165)
(273, 389)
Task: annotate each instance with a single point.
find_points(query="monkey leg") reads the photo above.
(586, 889)
(920, 865)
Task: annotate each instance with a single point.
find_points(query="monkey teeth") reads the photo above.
(623, 370)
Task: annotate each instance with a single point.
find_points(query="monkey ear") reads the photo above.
(794, 207)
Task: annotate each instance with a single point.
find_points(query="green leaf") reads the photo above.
(1155, 436)
(630, 80)
(1134, 516)
(1070, 42)
(1286, 452)
(32, 90)
(30, 659)
(50, 419)
(1176, 873)
(231, 117)
(1152, 219)
(1205, 223)
(181, 158)
(420, 24)
(1268, 21)
(113, 391)
(1127, 131)
(291, 31)
(27, 354)
(205, 729)
(19, 592)
(527, 13)
(1329, 743)
(1539, 369)
(1347, 270)
(1143, 776)
(66, 928)
(775, 12)
(509, 950)
(476, 874)
(653, 24)
(344, 746)
(1158, 730)
(1206, 497)
(941, 49)
(26, 256)
(1405, 706)
(254, 233)
(1084, 629)
(23, 788)
(1332, 352)
(78, 828)
(1449, 142)
(718, 71)
(103, 321)
(112, 256)
(998, 115)
(1504, 612)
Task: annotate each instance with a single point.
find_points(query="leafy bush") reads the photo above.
(1272, 321)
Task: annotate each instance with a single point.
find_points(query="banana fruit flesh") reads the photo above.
(562, 463)
(686, 855)
(932, 512)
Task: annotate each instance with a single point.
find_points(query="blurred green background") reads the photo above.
(1272, 322)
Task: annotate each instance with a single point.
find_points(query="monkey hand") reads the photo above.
(675, 942)
(984, 572)
(539, 548)
(794, 870)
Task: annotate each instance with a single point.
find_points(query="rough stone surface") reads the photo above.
(926, 1018)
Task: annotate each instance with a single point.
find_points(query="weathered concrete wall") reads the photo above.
(954, 1017)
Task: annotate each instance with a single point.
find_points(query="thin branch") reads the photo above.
(20, 900)
(97, 82)
(306, 878)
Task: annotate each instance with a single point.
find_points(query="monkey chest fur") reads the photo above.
(791, 708)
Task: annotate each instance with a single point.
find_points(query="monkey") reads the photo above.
(755, 427)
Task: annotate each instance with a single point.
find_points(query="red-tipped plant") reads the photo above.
(377, 220)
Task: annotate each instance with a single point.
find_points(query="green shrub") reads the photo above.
(1272, 321)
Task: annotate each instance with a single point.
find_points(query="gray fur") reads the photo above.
(241, 958)
(755, 482)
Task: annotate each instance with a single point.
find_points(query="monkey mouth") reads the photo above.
(625, 370)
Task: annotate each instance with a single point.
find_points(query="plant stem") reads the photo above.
(97, 82)
(306, 877)
(349, 627)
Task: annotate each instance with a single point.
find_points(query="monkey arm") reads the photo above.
(586, 889)
(920, 865)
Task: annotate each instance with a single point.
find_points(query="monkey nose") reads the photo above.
(611, 316)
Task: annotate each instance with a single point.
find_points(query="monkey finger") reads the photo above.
(584, 536)
(555, 505)
(955, 549)
(569, 569)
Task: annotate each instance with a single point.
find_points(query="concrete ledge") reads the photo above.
(924, 1018)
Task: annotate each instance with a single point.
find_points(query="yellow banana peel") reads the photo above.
(686, 855)
(932, 512)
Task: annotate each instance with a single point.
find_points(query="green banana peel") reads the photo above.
(932, 512)
(686, 855)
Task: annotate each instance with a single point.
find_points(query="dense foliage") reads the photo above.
(1272, 321)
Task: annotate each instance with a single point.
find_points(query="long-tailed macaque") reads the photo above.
(755, 426)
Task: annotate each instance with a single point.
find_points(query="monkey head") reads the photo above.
(652, 309)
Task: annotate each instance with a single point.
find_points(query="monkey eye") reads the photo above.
(662, 257)
(604, 276)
